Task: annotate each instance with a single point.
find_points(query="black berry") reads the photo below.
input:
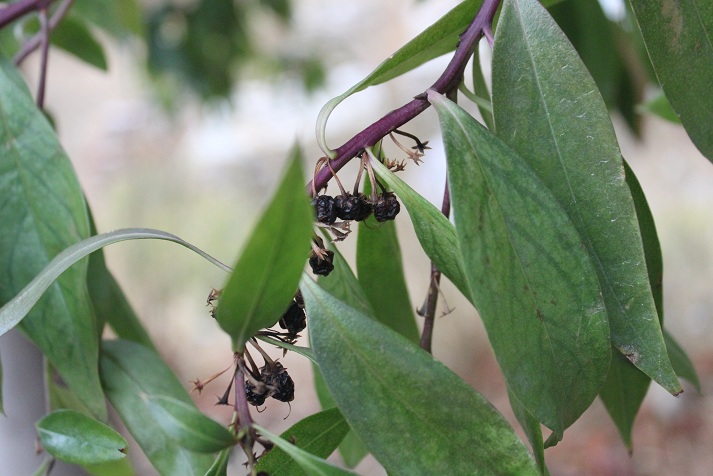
(281, 386)
(352, 207)
(255, 396)
(322, 266)
(325, 209)
(294, 320)
(386, 207)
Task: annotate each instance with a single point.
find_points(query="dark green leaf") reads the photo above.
(188, 426)
(660, 106)
(436, 40)
(130, 374)
(433, 230)
(120, 18)
(413, 413)
(79, 439)
(532, 429)
(220, 465)
(311, 464)
(73, 36)
(622, 394)
(342, 283)
(531, 280)
(120, 467)
(626, 386)
(17, 308)
(317, 434)
(679, 40)
(381, 276)
(681, 362)
(267, 274)
(547, 109)
(42, 211)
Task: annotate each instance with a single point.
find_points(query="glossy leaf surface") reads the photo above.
(317, 434)
(268, 271)
(310, 464)
(189, 426)
(435, 233)
(76, 438)
(679, 39)
(131, 374)
(387, 389)
(434, 41)
(531, 280)
(547, 109)
(42, 211)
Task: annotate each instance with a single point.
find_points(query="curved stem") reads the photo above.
(448, 81)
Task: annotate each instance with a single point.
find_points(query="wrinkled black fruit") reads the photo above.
(294, 320)
(325, 209)
(254, 396)
(322, 266)
(352, 207)
(386, 207)
(281, 386)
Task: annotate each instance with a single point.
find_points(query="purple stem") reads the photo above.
(33, 43)
(448, 81)
(19, 9)
(45, 32)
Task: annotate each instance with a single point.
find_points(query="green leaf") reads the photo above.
(531, 280)
(435, 233)
(220, 465)
(623, 393)
(73, 36)
(381, 276)
(43, 211)
(681, 362)
(480, 88)
(303, 351)
(44, 468)
(120, 467)
(317, 434)
(626, 386)
(311, 464)
(131, 374)
(342, 283)
(436, 40)
(18, 307)
(412, 412)
(79, 439)
(267, 274)
(660, 106)
(531, 426)
(188, 426)
(119, 18)
(547, 109)
(109, 302)
(679, 40)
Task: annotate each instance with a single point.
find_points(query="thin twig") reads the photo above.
(428, 311)
(33, 43)
(449, 80)
(17, 10)
(45, 31)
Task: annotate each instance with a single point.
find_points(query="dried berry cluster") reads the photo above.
(355, 207)
(272, 381)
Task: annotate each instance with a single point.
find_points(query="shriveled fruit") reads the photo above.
(386, 207)
(325, 209)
